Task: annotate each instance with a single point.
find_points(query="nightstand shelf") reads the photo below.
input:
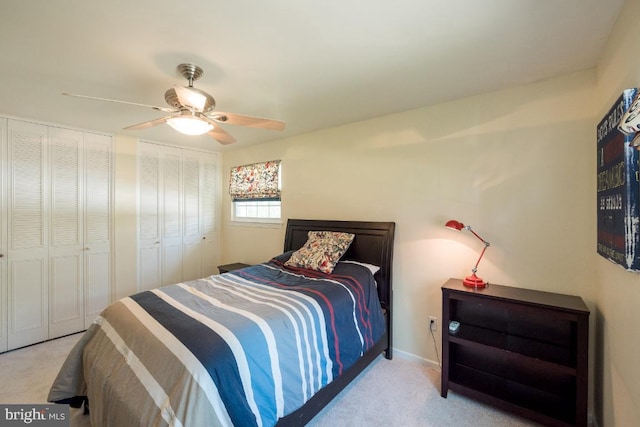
(521, 350)
(545, 407)
(553, 356)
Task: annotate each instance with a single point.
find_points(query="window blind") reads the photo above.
(257, 181)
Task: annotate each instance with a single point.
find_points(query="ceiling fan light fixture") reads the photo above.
(189, 125)
(191, 111)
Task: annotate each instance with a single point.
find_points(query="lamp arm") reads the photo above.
(475, 267)
(486, 245)
(476, 234)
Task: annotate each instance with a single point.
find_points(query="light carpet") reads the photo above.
(394, 392)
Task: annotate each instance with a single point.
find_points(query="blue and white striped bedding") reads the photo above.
(243, 348)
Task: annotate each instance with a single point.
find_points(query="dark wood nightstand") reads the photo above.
(230, 267)
(521, 350)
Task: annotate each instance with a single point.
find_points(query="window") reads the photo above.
(257, 210)
(255, 192)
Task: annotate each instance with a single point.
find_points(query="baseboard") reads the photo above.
(413, 358)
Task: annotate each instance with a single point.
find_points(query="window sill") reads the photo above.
(257, 224)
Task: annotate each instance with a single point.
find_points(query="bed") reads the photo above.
(269, 344)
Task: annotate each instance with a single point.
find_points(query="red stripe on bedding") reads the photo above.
(361, 306)
(358, 290)
(329, 305)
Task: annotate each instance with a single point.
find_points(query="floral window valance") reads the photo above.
(258, 181)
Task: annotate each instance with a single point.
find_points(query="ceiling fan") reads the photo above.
(191, 111)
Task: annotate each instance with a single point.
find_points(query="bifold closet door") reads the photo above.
(209, 214)
(171, 215)
(55, 263)
(27, 284)
(3, 235)
(177, 201)
(199, 230)
(66, 249)
(191, 232)
(160, 207)
(149, 211)
(97, 224)
(80, 224)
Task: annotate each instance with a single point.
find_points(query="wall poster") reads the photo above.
(618, 189)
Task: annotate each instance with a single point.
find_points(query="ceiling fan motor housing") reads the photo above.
(190, 72)
(172, 99)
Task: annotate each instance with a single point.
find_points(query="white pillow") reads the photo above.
(373, 268)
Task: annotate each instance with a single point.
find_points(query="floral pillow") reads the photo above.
(322, 250)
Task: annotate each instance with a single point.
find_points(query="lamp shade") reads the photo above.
(455, 225)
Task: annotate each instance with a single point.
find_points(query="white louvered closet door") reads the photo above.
(3, 235)
(177, 203)
(200, 203)
(27, 234)
(171, 206)
(209, 214)
(160, 206)
(97, 224)
(149, 245)
(191, 233)
(66, 257)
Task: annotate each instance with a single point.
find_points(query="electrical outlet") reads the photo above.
(433, 323)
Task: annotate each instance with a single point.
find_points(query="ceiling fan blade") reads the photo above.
(250, 121)
(217, 133)
(165, 109)
(221, 135)
(148, 124)
(190, 98)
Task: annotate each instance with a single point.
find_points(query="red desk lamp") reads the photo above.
(472, 281)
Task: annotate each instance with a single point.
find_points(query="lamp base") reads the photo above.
(474, 281)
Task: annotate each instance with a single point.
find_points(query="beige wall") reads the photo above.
(518, 165)
(617, 376)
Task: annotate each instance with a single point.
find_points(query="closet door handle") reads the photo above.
(1, 255)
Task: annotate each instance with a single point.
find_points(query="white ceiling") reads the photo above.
(313, 64)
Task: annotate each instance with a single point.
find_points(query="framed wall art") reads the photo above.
(618, 188)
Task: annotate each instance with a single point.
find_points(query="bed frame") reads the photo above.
(373, 244)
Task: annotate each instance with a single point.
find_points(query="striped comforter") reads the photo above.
(243, 348)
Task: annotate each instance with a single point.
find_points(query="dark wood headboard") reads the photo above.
(373, 244)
